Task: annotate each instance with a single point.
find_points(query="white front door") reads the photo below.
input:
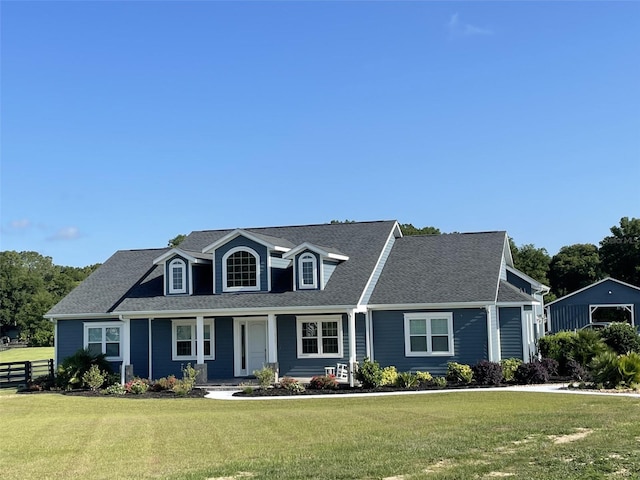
(250, 345)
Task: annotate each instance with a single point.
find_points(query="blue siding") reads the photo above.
(140, 347)
(163, 365)
(70, 338)
(291, 365)
(510, 332)
(361, 337)
(328, 269)
(298, 273)
(469, 338)
(241, 241)
(518, 282)
(572, 312)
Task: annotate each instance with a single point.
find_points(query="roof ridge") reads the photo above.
(291, 226)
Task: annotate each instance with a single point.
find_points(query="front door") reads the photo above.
(250, 345)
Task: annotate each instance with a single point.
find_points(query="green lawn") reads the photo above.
(438, 436)
(26, 354)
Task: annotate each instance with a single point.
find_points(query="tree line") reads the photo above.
(30, 283)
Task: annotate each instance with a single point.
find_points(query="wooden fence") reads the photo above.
(17, 373)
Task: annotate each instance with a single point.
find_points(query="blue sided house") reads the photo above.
(302, 298)
(604, 301)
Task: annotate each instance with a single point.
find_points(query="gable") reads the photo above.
(607, 291)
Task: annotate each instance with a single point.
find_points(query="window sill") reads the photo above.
(192, 359)
(427, 354)
(321, 355)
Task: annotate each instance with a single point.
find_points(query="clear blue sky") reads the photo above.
(127, 123)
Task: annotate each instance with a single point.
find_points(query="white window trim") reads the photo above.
(194, 339)
(178, 262)
(314, 261)
(319, 318)
(103, 325)
(427, 316)
(225, 288)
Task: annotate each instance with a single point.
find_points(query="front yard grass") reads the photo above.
(26, 354)
(460, 435)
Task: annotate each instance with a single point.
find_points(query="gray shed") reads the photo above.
(605, 300)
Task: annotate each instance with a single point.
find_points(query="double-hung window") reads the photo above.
(319, 336)
(307, 271)
(428, 333)
(104, 338)
(177, 276)
(185, 341)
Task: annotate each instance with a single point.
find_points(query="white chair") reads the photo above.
(342, 371)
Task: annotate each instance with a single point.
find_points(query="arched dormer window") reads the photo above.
(307, 271)
(241, 270)
(177, 276)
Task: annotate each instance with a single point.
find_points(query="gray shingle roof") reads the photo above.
(457, 267)
(128, 282)
(511, 293)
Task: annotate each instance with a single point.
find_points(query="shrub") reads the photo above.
(629, 368)
(488, 373)
(266, 376)
(137, 386)
(188, 381)
(459, 373)
(94, 378)
(423, 377)
(440, 382)
(530, 373)
(115, 389)
(577, 372)
(71, 370)
(389, 376)
(369, 374)
(323, 382)
(604, 369)
(587, 344)
(407, 380)
(44, 382)
(621, 337)
(164, 384)
(551, 365)
(291, 384)
(555, 346)
(509, 367)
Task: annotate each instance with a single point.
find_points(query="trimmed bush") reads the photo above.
(440, 382)
(531, 373)
(407, 380)
(621, 337)
(424, 378)
(509, 367)
(551, 365)
(266, 376)
(389, 376)
(369, 374)
(582, 346)
(459, 373)
(72, 369)
(164, 384)
(291, 384)
(487, 373)
(323, 382)
(94, 378)
(137, 386)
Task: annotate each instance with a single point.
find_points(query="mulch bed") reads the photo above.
(195, 393)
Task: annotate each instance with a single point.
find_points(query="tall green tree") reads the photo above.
(409, 229)
(531, 260)
(30, 284)
(177, 240)
(620, 251)
(574, 267)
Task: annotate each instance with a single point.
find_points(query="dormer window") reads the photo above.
(177, 276)
(241, 271)
(308, 271)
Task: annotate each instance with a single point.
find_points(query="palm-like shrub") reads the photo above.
(604, 369)
(72, 369)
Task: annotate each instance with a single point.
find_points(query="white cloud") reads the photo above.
(458, 28)
(20, 224)
(66, 233)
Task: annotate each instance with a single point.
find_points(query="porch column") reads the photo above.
(150, 350)
(126, 349)
(351, 331)
(272, 339)
(199, 339)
